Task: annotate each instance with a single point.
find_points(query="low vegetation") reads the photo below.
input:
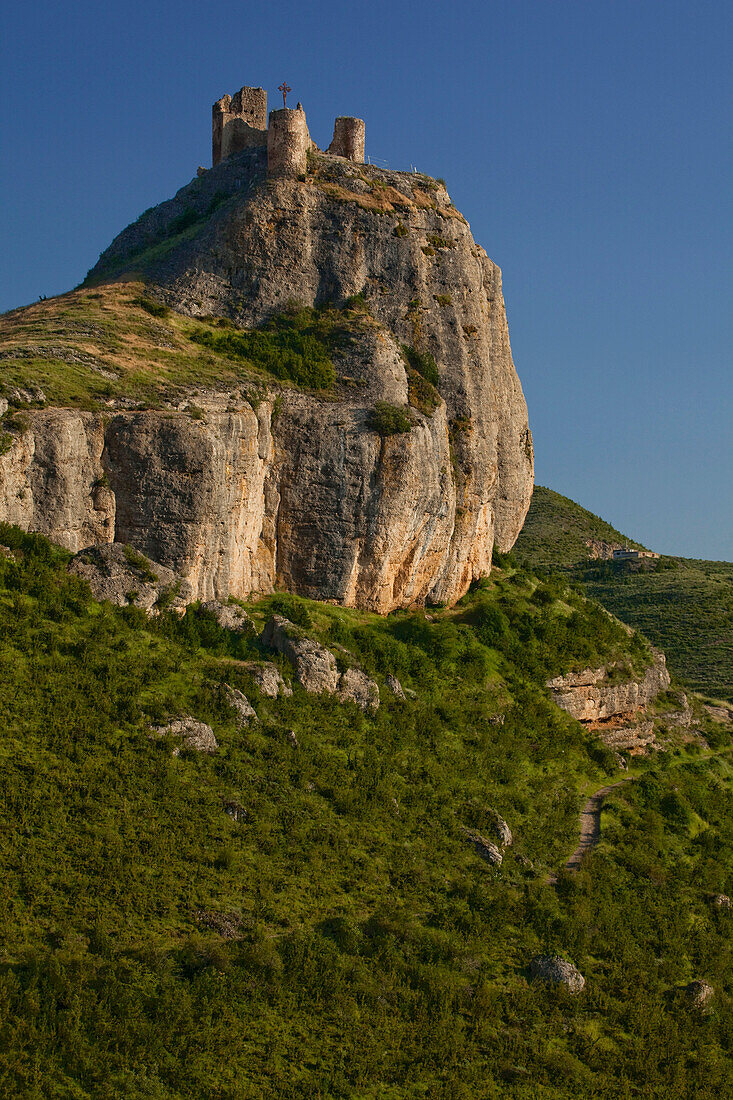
(339, 936)
(88, 347)
(386, 419)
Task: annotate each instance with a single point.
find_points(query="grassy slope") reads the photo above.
(376, 955)
(683, 605)
(556, 529)
(91, 345)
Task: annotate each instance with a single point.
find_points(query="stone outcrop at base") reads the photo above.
(315, 667)
(124, 576)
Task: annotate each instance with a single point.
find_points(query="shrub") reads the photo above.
(155, 309)
(386, 419)
(293, 346)
(400, 230)
(292, 608)
(422, 362)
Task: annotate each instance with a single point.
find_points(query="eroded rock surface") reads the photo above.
(356, 687)
(394, 686)
(196, 736)
(268, 679)
(484, 847)
(592, 695)
(229, 616)
(314, 666)
(617, 710)
(241, 706)
(124, 576)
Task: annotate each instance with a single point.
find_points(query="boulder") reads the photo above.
(268, 679)
(503, 832)
(123, 576)
(241, 706)
(314, 666)
(484, 847)
(356, 687)
(194, 735)
(394, 686)
(229, 616)
(554, 970)
(699, 994)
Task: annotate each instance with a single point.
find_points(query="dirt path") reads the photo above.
(590, 824)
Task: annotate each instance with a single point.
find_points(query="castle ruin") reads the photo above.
(241, 122)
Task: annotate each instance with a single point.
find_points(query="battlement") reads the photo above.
(240, 122)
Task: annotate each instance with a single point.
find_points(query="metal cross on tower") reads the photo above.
(284, 88)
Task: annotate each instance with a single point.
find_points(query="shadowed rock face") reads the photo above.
(312, 500)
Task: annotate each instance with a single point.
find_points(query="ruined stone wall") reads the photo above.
(238, 122)
(288, 142)
(348, 139)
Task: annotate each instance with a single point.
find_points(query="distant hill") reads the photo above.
(557, 532)
(681, 604)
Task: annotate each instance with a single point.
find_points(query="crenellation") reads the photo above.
(241, 121)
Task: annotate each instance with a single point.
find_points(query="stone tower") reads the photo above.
(238, 122)
(288, 142)
(348, 139)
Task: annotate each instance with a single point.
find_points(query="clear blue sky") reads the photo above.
(588, 143)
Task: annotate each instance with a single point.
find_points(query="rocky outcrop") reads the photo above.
(394, 686)
(554, 970)
(268, 679)
(314, 666)
(313, 499)
(484, 847)
(614, 708)
(503, 832)
(124, 576)
(194, 735)
(594, 694)
(356, 687)
(229, 616)
(240, 704)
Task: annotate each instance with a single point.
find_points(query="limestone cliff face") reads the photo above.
(321, 506)
(295, 489)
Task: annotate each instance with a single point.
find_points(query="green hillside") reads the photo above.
(683, 605)
(557, 530)
(342, 937)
